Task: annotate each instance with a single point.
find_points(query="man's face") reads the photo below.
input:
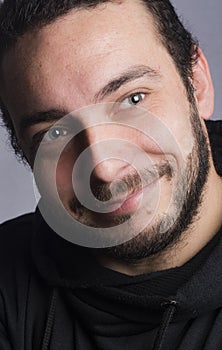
(90, 61)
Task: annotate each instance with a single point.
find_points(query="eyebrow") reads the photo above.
(131, 74)
(27, 121)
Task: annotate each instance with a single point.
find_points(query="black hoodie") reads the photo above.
(54, 295)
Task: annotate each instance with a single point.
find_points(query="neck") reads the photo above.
(206, 224)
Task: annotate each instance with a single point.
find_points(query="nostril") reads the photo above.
(109, 171)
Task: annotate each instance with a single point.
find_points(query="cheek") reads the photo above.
(176, 130)
(182, 136)
(180, 127)
(64, 177)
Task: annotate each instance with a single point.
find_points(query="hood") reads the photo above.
(215, 134)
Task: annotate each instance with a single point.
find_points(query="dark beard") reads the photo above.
(155, 239)
(166, 230)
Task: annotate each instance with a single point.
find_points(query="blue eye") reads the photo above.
(55, 133)
(133, 100)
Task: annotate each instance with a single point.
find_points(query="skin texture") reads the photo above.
(63, 66)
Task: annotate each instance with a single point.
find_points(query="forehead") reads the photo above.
(87, 33)
(77, 53)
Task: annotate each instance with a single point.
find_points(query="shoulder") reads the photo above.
(16, 233)
(20, 286)
(15, 243)
(20, 221)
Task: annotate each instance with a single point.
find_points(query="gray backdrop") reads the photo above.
(203, 17)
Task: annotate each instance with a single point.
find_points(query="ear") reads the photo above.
(203, 86)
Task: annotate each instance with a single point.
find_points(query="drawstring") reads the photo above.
(167, 318)
(161, 334)
(50, 321)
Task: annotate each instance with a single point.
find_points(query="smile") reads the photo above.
(131, 203)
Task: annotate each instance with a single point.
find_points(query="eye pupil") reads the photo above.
(136, 99)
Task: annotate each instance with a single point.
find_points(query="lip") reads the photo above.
(131, 203)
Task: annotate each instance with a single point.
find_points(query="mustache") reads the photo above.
(128, 185)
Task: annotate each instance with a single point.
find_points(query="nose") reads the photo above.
(104, 154)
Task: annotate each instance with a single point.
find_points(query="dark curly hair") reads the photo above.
(20, 16)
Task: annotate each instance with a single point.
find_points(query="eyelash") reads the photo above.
(38, 138)
(133, 95)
